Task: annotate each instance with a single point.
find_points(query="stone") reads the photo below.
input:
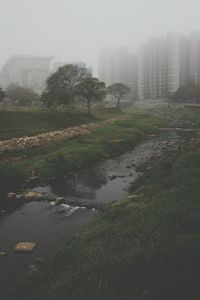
(32, 195)
(19, 197)
(11, 196)
(32, 268)
(33, 180)
(128, 167)
(60, 200)
(39, 260)
(112, 177)
(25, 247)
(164, 142)
(2, 253)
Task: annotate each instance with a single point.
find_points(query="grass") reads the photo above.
(146, 247)
(59, 158)
(20, 123)
(191, 115)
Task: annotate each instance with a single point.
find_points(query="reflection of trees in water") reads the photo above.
(82, 185)
(94, 178)
(8, 206)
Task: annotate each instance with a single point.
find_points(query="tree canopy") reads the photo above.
(61, 85)
(21, 95)
(118, 90)
(91, 90)
(188, 93)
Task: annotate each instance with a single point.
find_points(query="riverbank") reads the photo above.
(56, 159)
(145, 247)
(28, 123)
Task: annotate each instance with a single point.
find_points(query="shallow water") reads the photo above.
(85, 193)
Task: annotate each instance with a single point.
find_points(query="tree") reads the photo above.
(118, 90)
(91, 90)
(2, 94)
(21, 95)
(188, 93)
(61, 85)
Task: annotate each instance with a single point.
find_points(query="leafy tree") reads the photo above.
(61, 85)
(91, 90)
(188, 93)
(21, 95)
(2, 94)
(118, 90)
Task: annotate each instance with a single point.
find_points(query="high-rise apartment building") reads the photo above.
(166, 63)
(118, 65)
(26, 71)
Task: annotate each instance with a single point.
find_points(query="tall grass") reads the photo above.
(146, 247)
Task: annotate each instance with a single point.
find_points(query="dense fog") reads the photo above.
(77, 30)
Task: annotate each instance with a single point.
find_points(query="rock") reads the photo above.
(3, 211)
(11, 196)
(25, 247)
(19, 197)
(2, 253)
(33, 180)
(32, 195)
(60, 200)
(32, 268)
(164, 142)
(112, 177)
(39, 260)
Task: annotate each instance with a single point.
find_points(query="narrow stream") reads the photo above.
(85, 194)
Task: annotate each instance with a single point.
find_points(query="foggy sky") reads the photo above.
(77, 30)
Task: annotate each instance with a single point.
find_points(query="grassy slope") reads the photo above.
(146, 247)
(20, 123)
(57, 159)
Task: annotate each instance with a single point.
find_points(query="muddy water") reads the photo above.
(85, 194)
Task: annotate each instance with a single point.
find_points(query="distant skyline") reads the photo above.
(77, 30)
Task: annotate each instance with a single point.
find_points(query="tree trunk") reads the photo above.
(89, 107)
(118, 101)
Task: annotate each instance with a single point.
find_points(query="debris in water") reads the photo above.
(25, 247)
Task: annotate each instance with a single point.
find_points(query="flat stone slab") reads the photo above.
(25, 247)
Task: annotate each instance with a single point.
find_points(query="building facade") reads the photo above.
(26, 71)
(166, 63)
(118, 65)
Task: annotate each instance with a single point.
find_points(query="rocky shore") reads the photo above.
(28, 142)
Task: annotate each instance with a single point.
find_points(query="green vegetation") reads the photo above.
(20, 123)
(188, 93)
(118, 90)
(109, 140)
(191, 115)
(146, 247)
(20, 95)
(91, 90)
